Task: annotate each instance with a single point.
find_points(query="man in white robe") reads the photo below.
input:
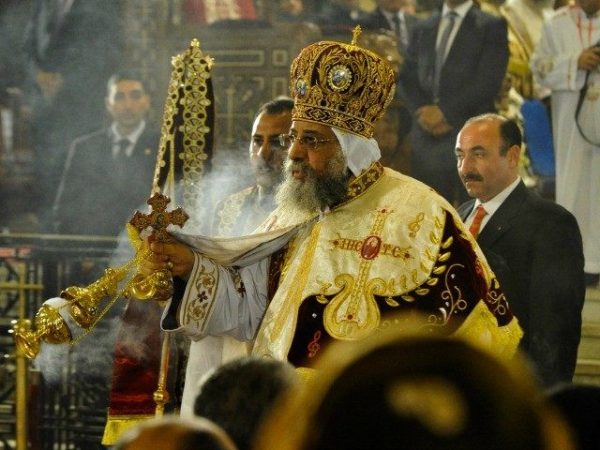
(239, 214)
(568, 48)
(350, 244)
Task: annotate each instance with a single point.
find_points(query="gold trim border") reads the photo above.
(117, 425)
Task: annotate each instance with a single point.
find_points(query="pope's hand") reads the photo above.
(173, 256)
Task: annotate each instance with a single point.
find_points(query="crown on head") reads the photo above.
(341, 85)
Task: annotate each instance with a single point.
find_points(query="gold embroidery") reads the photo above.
(439, 270)
(321, 297)
(498, 301)
(429, 255)
(434, 238)
(365, 180)
(403, 283)
(391, 302)
(361, 246)
(347, 244)
(353, 313)
(481, 328)
(432, 281)
(447, 243)
(199, 308)
(302, 273)
(396, 251)
(452, 294)
(444, 257)
(415, 277)
(415, 225)
(230, 212)
(291, 249)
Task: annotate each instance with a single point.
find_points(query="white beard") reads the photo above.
(302, 199)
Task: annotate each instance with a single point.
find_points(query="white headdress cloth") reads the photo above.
(359, 151)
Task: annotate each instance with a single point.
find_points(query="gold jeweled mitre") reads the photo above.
(341, 85)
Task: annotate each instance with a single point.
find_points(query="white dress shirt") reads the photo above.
(461, 12)
(132, 137)
(491, 206)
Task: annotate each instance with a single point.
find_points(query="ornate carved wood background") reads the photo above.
(252, 61)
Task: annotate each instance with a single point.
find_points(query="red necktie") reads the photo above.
(476, 224)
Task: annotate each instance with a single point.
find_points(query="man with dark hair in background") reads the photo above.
(71, 47)
(243, 211)
(108, 173)
(533, 245)
(238, 395)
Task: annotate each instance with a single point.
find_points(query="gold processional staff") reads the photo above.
(186, 142)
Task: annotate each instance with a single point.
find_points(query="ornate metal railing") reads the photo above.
(59, 400)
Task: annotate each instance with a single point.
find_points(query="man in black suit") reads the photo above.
(455, 65)
(532, 244)
(109, 173)
(390, 15)
(71, 48)
(339, 16)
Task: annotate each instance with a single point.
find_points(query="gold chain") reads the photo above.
(125, 268)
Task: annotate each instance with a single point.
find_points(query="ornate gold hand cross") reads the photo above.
(159, 218)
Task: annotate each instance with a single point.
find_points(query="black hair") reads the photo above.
(278, 105)
(238, 395)
(124, 74)
(510, 133)
(579, 404)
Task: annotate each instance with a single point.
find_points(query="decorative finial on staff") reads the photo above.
(355, 34)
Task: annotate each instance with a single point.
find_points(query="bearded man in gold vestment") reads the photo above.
(350, 243)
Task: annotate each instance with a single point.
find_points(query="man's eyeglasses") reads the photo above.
(307, 142)
(276, 143)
